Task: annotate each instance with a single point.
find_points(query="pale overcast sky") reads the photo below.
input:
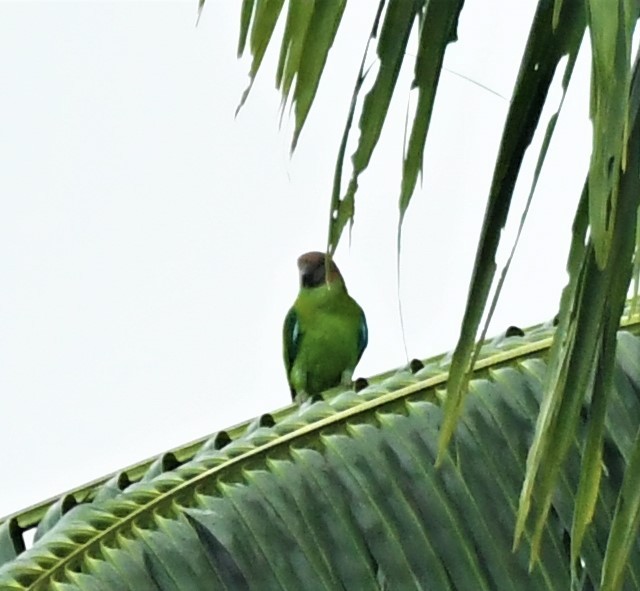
(149, 238)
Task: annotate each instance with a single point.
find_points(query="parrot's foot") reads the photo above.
(303, 399)
(346, 378)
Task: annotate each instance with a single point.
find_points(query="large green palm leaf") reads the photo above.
(599, 267)
(344, 494)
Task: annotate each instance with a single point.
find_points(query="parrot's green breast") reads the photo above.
(325, 335)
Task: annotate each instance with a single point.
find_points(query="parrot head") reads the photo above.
(315, 272)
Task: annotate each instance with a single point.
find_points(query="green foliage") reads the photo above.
(309, 33)
(310, 29)
(545, 48)
(592, 304)
(605, 252)
(328, 495)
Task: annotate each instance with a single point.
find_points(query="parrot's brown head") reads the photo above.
(316, 269)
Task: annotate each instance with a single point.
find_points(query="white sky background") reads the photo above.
(149, 239)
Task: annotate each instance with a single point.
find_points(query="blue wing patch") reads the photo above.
(363, 335)
(291, 336)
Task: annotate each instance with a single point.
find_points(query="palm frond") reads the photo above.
(327, 495)
(600, 273)
(309, 32)
(589, 315)
(546, 46)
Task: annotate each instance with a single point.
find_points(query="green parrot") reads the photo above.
(325, 331)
